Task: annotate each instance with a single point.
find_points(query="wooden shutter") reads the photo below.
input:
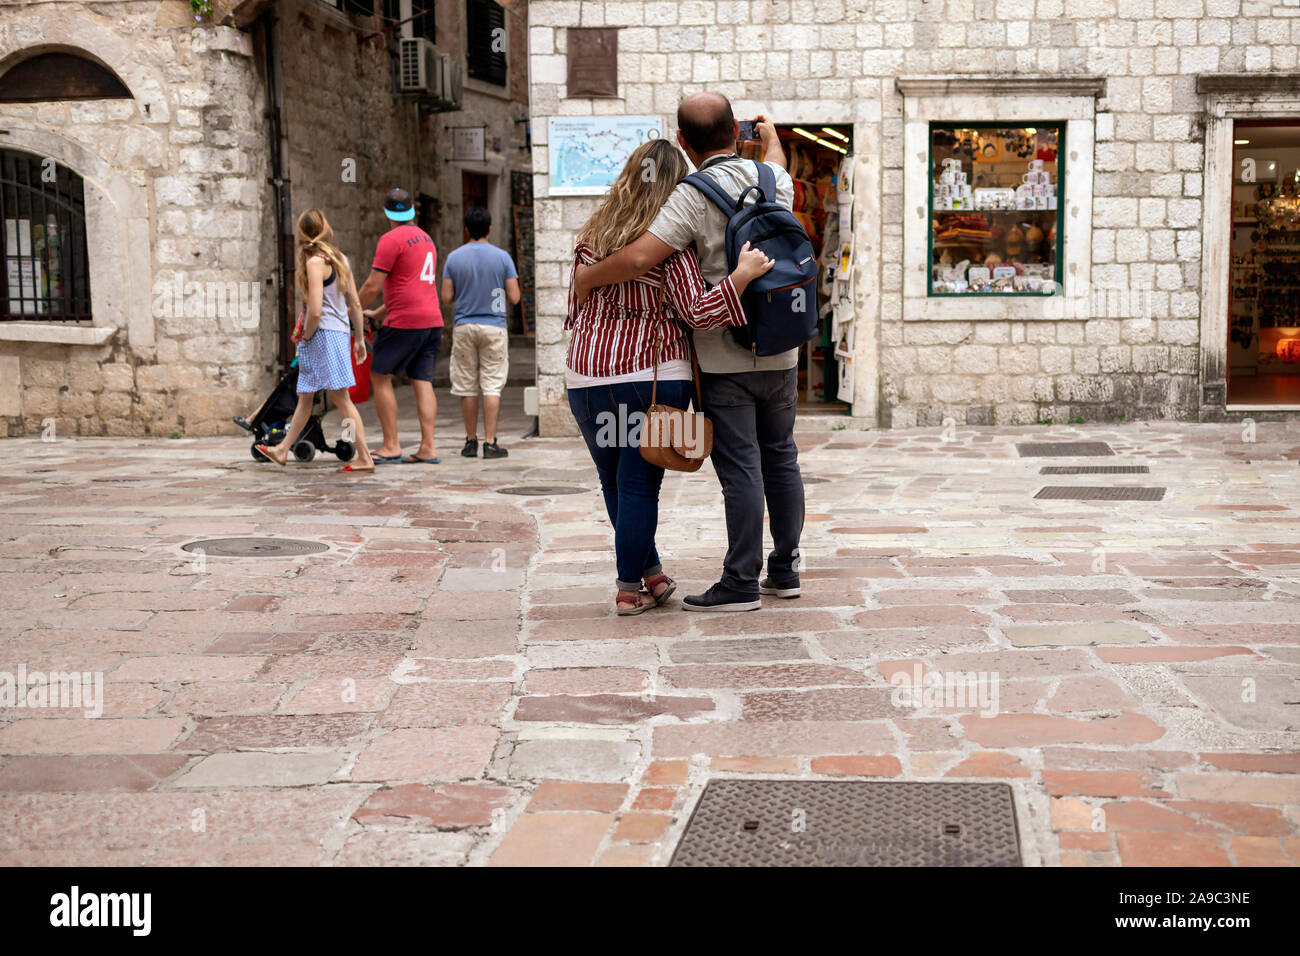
(485, 25)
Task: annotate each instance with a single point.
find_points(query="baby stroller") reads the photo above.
(272, 420)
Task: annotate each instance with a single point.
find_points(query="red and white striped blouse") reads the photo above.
(614, 330)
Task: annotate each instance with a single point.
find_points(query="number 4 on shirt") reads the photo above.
(426, 273)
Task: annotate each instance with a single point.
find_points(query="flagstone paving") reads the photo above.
(447, 685)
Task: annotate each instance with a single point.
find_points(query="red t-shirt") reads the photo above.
(410, 258)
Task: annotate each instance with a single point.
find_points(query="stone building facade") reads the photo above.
(172, 190)
(1149, 91)
(187, 317)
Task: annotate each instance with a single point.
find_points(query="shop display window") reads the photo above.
(996, 201)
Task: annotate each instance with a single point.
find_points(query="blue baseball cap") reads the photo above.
(398, 206)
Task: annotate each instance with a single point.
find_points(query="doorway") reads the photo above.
(819, 159)
(473, 192)
(1263, 366)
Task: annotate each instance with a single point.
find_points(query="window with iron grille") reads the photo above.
(485, 41)
(44, 271)
(422, 23)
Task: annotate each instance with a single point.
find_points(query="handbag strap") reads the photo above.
(659, 310)
(695, 358)
(695, 365)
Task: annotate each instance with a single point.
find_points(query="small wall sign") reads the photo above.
(592, 62)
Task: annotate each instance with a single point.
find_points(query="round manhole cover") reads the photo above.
(255, 547)
(541, 491)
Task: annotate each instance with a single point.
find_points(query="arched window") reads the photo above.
(44, 271)
(59, 76)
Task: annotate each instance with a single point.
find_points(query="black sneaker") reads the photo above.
(492, 450)
(718, 598)
(787, 590)
(471, 448)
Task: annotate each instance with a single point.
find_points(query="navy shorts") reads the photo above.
(409, 352)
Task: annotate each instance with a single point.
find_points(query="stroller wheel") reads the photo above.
(257, 455)
(344, 450)
(304, 451)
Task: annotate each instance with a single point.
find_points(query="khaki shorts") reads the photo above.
(479, 359)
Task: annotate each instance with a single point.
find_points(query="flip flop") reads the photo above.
(412, 460)
(266, 451)
(386, 459)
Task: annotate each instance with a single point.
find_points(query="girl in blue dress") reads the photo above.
(332, 333)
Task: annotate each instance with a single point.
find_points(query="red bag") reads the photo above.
(360, 392)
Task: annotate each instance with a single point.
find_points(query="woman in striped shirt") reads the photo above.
(616, 335)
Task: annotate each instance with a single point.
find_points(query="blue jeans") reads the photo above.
(608, 417)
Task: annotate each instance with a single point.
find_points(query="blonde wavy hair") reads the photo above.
(647, 180)
(316, 238)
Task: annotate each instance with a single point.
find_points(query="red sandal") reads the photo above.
(627, 603)
(654, 581)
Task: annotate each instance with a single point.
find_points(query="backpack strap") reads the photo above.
(713, 192)
(766, 181)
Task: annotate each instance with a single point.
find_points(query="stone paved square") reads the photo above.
(398, 700)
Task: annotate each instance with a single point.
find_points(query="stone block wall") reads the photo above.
(180, 212)
(838, 61)
(352, 138)
(175, 183)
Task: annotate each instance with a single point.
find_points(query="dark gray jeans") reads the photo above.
(756, 459)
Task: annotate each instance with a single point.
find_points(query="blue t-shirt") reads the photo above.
(478, 272)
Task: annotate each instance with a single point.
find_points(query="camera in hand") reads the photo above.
(746, 132)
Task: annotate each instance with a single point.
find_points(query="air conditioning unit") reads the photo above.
(425, 70)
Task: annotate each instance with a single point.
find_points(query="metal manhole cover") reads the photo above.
(850, 823)
(255, 547)
(1063, 449)
(1094, 470)
(1102, 493)
(541, 491)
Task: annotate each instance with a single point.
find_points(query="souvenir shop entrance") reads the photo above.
(820, 160)
(1264, 282)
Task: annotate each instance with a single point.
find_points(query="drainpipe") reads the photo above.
(284, 228)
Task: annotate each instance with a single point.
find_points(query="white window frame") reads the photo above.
(1011, 100)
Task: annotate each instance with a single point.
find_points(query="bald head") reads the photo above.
(706, 123)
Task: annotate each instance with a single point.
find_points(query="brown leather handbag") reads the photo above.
(673, 438)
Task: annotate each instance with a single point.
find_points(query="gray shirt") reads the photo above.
(690, 217)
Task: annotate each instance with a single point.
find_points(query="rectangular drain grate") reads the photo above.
(850, 823)
(1102, 492)
(1063, 449)
(1094, 470)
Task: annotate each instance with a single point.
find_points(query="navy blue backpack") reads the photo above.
(781, 305)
